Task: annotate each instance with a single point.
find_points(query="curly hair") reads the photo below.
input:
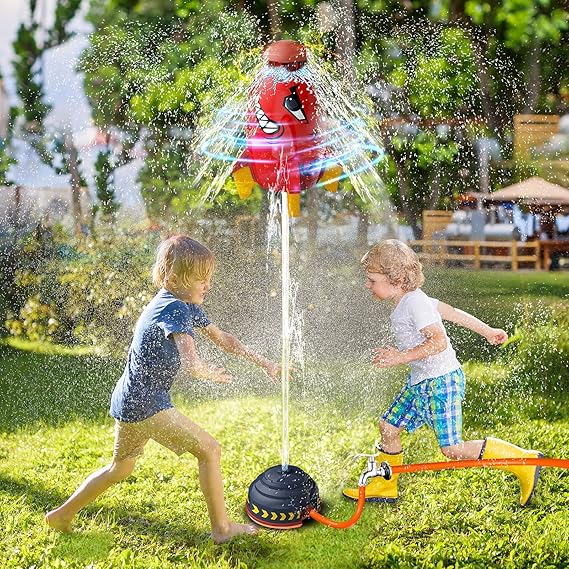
(397, 261)
(180, 259)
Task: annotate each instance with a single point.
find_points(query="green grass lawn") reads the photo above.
(54, 431)
(157, 517)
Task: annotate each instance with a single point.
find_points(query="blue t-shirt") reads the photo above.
(153, 358)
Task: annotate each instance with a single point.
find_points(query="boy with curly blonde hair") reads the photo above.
(435, 387)
(163, 344)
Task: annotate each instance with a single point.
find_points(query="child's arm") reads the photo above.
(493, 335)
(435, 342)
(232, 345)
(192, 364)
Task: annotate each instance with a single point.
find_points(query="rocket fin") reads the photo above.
(329, 178)
(294, 205)
(244, 181)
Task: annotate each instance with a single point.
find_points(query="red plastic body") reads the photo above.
(281, 146)
(286, 52)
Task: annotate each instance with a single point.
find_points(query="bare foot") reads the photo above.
(232, 530)
(56, 521)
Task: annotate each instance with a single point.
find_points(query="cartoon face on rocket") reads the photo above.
(284, 150)
(286, 111)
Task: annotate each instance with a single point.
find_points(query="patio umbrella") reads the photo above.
(536, 193)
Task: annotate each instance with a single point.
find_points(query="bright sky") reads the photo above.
(62, 85)
(12, 13)
(64, 91)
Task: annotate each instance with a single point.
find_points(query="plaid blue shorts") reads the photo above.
(436, 402)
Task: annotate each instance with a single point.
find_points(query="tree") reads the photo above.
(104, 185)
(432, 97)
(513, 41)
(6, 123)
(469, 66)
(451, 71)
(149, 78)
(62, 156)
(6, 160)
(27, 73)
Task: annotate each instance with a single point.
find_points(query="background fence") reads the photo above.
(477, 253)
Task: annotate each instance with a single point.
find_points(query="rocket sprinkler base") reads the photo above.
(282, 499)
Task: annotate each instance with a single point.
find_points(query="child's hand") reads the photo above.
(211, 373)
(496, 336)
(272, 370)
(388, 357)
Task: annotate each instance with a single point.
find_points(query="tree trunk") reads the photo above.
(346, 39)
(404, 192)
(456, 10)
(479, 40)
(75, 185)
(17, 206)
(274, 18)
(533, 77)
(436, 195)
(480, 46)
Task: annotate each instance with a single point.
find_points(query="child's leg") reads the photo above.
(397, 417)
(466, 450)
(129, 444)
(390, 437)
(497, 448)
(178, 433)
(94, 485)
(527, 475)
(379, 489)
(401, 415)
(443, 406)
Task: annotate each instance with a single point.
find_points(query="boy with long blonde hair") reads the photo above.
(163, 344)
(435, 387)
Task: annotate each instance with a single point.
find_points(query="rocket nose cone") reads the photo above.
(286, 52)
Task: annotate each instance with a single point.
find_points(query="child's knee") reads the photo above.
(210, 450)
(121, 469)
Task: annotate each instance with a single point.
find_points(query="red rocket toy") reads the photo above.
(283, 150)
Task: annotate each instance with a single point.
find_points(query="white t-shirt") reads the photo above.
(414, 312)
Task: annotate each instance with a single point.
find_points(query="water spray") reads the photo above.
(283, 155)
(282, 147)
(295, 127)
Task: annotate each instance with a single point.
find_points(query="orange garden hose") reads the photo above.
(348, 523)
(450, 465)
(480, 463)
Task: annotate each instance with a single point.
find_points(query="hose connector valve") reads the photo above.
(372, 470)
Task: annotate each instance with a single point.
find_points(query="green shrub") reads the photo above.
(537, 354)
(22, 249)
(37, 321)
(92, 297)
